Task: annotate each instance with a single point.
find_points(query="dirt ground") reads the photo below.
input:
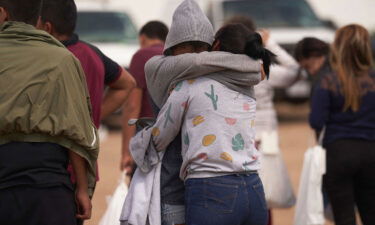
(295, 137)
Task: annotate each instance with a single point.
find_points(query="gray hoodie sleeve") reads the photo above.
(233, 70)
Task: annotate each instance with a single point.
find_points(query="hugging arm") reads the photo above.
(163, 72)
(169, 121)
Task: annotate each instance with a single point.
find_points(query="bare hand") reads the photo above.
(265, 36)
(84, 206)
(127, 163)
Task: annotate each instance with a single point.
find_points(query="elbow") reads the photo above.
(131, 83)
(315, 122)
(131, 106)
(257, 79)
(158, 144)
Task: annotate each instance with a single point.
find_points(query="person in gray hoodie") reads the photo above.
(190, 33)
(220, 160)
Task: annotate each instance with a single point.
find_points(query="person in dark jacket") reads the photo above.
(343, 102)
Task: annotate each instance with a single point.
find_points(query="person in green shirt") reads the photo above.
(45, 122)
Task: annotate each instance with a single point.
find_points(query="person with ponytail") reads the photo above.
(344, 104)
(220, 161)
(238, 39)
(282, 74)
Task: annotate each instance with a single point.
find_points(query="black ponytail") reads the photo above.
(255, 50)
(238, 39)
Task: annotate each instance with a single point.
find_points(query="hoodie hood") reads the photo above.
(189, 23)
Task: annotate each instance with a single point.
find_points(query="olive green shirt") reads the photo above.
(43, 94)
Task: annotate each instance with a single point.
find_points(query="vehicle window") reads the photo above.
(105, 27)
(271, 13)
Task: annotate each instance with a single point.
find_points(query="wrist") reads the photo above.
(82, 189)
(125, 155)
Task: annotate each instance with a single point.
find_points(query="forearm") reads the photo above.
(169, 121)
(80, 171)
(129, 112)
(282, 56)
(117, 93)
(285, 73)
(162, 73)
(194, 65)
(113, 101)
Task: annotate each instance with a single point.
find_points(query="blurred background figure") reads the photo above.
(343, 104)
(59, 18)
(138, 104)
(312, 55)
(282, 74)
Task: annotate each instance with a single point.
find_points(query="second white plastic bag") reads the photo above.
(310, 208)
(116, 201)
(274, 174)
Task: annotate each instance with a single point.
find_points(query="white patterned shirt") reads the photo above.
(217, 126)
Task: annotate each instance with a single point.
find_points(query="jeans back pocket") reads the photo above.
(220, 197)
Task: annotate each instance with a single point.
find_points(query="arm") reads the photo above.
(320, 105)
(131, 110)
(117, 93)
(82, 197)
(169, 121)
(162, 72)
(286, 72)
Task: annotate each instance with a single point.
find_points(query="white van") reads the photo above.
(109, 27)
(288, 20)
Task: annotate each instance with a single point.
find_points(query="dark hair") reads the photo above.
(62, 14)
(198, 46)
(245, 20)
(155, 30)
(238, 39)
(27, 11)
(310, 47)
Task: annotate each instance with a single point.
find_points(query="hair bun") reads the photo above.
(254, 49)
(254, 46)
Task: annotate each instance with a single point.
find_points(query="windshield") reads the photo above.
(105, 27)
(273, 13)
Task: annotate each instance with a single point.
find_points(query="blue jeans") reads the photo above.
(226, 200)
(172, 214)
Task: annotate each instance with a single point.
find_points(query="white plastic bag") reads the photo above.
(277, 185)
(114, 209)
(310, 209)
(274, 174)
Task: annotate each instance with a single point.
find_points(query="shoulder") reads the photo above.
(58, 56)
(90, 46)
(153, 63)
(147, 53)
(328, 79)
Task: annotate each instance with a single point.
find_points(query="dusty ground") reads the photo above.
(295, 137)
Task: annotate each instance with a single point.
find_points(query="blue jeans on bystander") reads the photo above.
(172, 214)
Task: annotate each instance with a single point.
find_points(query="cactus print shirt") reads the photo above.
(217, 126)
